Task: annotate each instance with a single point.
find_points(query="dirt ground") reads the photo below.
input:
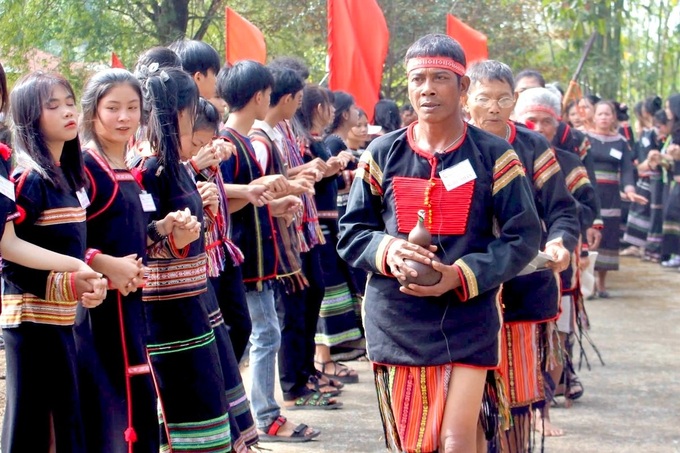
(630, 405)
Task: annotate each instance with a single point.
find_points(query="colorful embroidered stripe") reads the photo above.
(369, 171)
(181, 345)
(469, 281)
(413, 405)
(545, 167)
(520, 367)
(381, 254)
(19, 308)
(576, 179)
(210, 436)
(607, 177)
(507, 168)
(175, 278)
(60, 216)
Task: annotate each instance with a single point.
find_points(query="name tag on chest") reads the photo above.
(147, 202)
(7, 188)
(83, 199)
(616, 154)
(458, 175)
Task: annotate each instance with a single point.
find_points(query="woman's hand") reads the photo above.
(126, 273)
(90, 288)
(209, 195)
(186, 230)
(635, 198)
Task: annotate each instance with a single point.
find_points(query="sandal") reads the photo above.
(341, 372)
(297, 436)
(332, 382)
(312, 401)
(317, 386)
(575, 389)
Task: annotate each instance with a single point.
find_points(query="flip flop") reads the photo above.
(298, 435)
(313, 401)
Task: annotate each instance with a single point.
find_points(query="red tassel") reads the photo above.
(130, 435)
(22, 215)
(5, 151)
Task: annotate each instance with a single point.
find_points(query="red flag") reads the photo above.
(472, 41)
(358, 39)
(244, 41)
(115, 61)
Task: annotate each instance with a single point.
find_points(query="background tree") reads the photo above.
(636, 55)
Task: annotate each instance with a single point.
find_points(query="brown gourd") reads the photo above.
(421, 236)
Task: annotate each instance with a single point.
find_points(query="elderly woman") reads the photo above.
(490, 101)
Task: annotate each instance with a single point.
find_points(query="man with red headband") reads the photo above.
(432, 345)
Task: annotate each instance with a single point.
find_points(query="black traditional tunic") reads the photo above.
(584, 193)
(252, 226)
(243, 432)
(117, 227)
(337, 317)
(639, 216)
(181, 347)
(39, 309)
(671, 213)
(659, 189)
(614, 172)
(557, 209)
(8, 211)
(486, 226)
(573, 140)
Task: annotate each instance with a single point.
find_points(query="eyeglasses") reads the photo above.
(504, 102)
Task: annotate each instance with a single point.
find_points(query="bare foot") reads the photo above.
(548, 429)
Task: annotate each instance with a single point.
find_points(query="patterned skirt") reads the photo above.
(658, 195)
(671, 222)
(338, 321)
(520, 366)
(185, 366)
(610, 210)
(243, 431)
(639, 216)
(412, 401)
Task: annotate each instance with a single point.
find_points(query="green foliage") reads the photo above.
(635, 55)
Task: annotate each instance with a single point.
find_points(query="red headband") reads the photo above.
(539, 108)
(435, 62)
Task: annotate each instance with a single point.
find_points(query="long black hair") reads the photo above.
(166, 93)
(386, 115)
(207, 117)
(342, 102)
(674, 107)
(27, 100)
(95, 89)
(312, 96)
(3, 90)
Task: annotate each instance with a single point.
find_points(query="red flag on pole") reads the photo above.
(472, 41)
(115, 61)
(358, 39)
(244, 41)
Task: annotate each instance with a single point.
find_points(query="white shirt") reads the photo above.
(261, 152)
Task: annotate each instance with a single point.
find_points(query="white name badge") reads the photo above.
(83, 198)
(646, 142)
(147, 202)
(616, 154)
(458, 175)
(7, 188)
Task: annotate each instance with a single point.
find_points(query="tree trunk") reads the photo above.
(172, 21)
